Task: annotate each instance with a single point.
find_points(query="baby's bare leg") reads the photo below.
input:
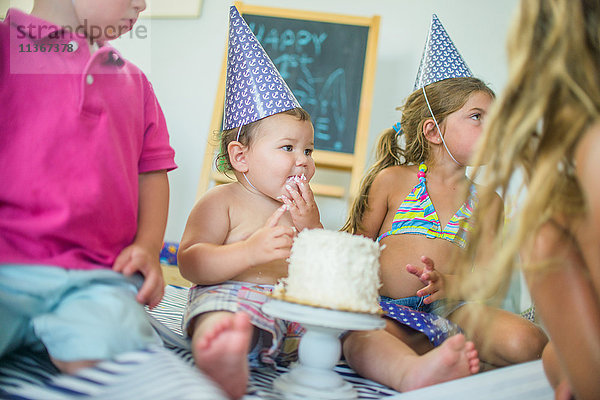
(220, 344)
(383, 357)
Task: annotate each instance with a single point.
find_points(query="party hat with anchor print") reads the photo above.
(254, 87)
(441, 59)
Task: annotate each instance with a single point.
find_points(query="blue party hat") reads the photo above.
(441, 59)
(254, 87)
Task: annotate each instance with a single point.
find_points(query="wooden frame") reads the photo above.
(350, 163)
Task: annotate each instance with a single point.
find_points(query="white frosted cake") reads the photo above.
(334, 270)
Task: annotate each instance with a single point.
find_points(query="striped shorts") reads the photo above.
(278, 340)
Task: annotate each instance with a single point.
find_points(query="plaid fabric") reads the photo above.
(248, 297)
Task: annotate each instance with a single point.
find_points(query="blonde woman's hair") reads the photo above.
(248, 133)
(445, 97)
(551, 99)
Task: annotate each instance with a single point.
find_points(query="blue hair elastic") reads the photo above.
(398, 128)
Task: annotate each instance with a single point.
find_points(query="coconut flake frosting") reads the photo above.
(333, 269)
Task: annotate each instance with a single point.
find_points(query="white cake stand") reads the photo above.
(320, 349)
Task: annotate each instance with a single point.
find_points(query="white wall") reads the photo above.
(182, 58)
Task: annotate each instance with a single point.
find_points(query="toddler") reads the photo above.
(239, 235)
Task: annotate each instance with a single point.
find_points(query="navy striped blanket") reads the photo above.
(156, 373)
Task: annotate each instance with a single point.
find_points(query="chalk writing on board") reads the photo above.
(315, 61)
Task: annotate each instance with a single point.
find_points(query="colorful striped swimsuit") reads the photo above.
(416, 215)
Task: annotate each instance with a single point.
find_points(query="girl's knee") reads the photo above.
(526, 343)
(535, 340)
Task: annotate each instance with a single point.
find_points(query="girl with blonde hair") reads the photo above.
(546, 127)
(411, 201)
(408, 201)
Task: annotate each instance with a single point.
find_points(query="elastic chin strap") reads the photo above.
(249, 183)
(438, 128)
(237, 139)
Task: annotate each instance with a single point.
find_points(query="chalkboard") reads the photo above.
(322, 64)
(328, 61)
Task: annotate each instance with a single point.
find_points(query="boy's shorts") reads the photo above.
(234, 296)
(75, 314)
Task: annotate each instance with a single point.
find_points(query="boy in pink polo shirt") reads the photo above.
(84, 152)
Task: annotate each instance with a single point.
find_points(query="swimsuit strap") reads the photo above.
(419, 191)
(422, 173)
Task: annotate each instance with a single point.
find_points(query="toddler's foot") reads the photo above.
(453, 359)
(222, 353)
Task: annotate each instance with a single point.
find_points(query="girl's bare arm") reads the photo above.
(567, 303)
(378, 205)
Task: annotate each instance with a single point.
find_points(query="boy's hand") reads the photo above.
(135, 258)
(303, 208)
(431, 277)
(271, 242)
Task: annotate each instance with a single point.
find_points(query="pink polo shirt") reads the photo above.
(76, 130)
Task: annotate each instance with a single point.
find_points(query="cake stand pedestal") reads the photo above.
(319, 351)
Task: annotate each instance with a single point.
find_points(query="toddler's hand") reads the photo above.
(135, 258)
(431, 277)
(271, 242)
(303, 208)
